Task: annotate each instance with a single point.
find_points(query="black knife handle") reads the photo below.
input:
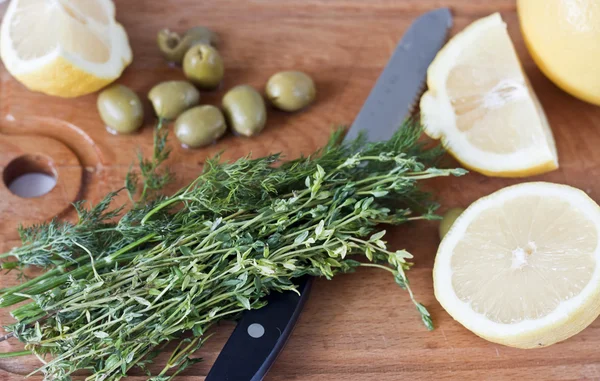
(247, 358)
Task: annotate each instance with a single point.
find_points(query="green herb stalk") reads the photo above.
(118, 291)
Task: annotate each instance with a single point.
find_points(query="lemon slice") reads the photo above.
(65, 48)
(482, 107)
(521, 267)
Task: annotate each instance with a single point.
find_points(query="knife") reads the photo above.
(261, 334)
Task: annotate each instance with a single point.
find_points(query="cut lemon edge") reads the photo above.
(440, 120)
(64, 73)
(569, 318)
(526, 171)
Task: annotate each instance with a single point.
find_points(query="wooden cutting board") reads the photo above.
(357, 327)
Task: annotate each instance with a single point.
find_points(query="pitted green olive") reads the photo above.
(448, 220)
(171, 98)
(200, 126)
(120, 109)
(203, 66)
(245, 110)
(173, 46)
(291, 90)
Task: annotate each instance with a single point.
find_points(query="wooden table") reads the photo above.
(357, 327)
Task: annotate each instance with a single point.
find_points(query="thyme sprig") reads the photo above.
(120, 290)
(152, 172)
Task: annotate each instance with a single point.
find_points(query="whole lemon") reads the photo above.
(563, 37)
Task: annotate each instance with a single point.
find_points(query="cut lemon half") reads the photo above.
(482, 107)
(65, 48)
(521, 267)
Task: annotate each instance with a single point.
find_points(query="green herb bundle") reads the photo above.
(116, 292)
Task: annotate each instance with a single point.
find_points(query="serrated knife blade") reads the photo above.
(261, 334)
(399, 86)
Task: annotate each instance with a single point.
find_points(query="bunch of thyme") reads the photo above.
(117, 291)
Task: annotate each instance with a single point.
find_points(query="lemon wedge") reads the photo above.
(65, 48)
(480, 104)
(520, 267)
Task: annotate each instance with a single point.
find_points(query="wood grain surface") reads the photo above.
(358, 327)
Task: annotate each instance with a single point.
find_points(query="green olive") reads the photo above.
(171, 98)
(245, 110)
(174, 47)
(448, 220)
(291, 90)
(200, 126)
(203, 66)
(120, 109)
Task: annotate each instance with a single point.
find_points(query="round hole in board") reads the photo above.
(30, 176)
(256, 330)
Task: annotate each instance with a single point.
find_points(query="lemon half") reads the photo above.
(482, 107)
(520, 267)
(563, 38)
(65, 48)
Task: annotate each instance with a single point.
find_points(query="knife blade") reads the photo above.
(261, 334)
(400, 84)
